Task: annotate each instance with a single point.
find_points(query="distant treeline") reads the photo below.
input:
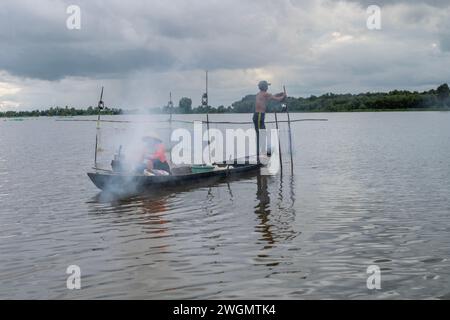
(436, 99)
(60, 112)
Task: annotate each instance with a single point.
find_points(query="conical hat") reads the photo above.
(151, 136)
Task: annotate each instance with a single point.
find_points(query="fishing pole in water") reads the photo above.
(205, 103)
(289, 127)
(100, 106)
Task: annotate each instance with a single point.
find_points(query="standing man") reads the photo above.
(262, 98)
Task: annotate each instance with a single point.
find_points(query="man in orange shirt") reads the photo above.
(155, 154)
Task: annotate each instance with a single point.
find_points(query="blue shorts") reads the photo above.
(258, 120)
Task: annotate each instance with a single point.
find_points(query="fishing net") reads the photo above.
(122, 136)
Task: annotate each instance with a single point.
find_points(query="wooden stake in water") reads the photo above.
(209, 141)
(205, 102)
(170, 106)
(279, 144)
(100, 106)
(290, 134)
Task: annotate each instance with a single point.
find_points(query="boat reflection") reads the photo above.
(155, 201)
(153, 213)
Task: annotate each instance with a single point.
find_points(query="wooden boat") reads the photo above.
(118, 182)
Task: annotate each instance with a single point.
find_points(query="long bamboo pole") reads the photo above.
(290, 134)
(100, 107)
(170, 106)
(279, 144)
(207, 118)
(170, 123)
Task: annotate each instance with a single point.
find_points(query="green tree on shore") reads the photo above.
(185, 105)
(443, 93)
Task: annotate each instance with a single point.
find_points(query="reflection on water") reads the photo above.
(263, 210)
(367, 189)
(280, 221)
(177, 227)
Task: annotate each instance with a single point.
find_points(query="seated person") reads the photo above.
(154, 155)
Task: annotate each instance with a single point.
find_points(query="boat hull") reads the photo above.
(117, 182)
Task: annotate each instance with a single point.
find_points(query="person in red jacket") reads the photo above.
(154, 156)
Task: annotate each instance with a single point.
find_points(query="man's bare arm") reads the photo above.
(278, 97)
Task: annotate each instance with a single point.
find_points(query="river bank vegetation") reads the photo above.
(59, 112)
(435, 99)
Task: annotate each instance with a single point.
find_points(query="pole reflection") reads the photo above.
(276, 218)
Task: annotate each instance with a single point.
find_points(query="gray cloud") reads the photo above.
(40, 46)
(117, 37)
(435, 3)
(56, 62)
(314, 46)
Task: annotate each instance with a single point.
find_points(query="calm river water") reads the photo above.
(367, 189)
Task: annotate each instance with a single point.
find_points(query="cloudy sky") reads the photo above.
(140, 50)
